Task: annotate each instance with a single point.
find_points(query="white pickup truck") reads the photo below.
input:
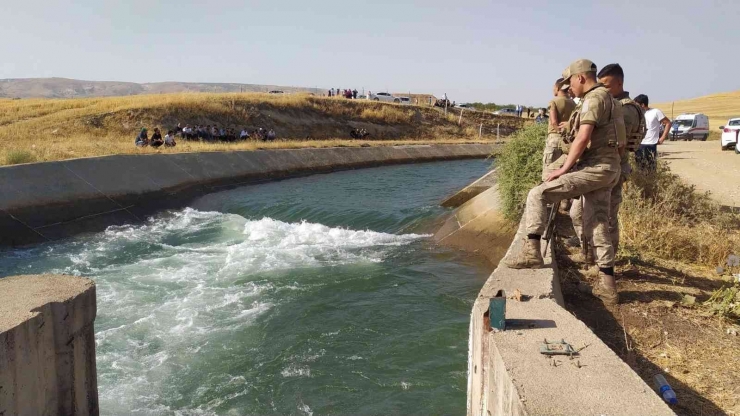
(384, 96)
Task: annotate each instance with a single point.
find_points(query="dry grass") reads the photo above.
(53, 129)
(664, 216)
(718, 107)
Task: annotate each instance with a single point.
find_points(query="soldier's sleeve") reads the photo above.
(593, 110)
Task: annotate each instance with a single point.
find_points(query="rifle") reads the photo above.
(550, 228)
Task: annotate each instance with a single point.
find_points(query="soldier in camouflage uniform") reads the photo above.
(561, 108)
(612, 77)
(590, 170)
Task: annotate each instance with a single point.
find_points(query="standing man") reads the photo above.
(590, 170)
(561, 107)
(612, 77)
(647, 155)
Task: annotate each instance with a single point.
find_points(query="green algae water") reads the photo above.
(310, 296)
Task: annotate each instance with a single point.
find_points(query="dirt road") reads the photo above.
(703, 164)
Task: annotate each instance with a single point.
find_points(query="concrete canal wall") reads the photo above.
(53, 200)
(47, 346)
(507, 374)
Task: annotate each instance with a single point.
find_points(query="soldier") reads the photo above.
(612, 77)
(560, 109)
(590, 170)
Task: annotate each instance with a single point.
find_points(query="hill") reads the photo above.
(718, 107)
(73, 88)
(54, 129)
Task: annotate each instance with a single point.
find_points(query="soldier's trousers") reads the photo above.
(551, 154)
(593, 185)
(579, 216)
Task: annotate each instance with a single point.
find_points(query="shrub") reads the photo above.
(664, 216)
(17, 156)
(519, 168)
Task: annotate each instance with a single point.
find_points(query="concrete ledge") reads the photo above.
(47, 346)
(478, 227)
(507, 375)
(48, 201)
(471, 191)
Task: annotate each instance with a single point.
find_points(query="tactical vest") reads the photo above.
(634, 138)
(613, 128)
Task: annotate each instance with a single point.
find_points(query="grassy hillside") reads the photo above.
(54, 129)
(75, 88)
(718, 107)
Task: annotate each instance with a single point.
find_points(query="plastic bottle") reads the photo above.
(665, 389)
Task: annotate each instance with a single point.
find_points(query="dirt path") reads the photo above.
(703, 164)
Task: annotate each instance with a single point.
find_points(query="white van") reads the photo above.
(689, 127)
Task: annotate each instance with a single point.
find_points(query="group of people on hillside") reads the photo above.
(348, 94)
(205, 133)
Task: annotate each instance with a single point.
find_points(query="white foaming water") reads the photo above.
(172, 292)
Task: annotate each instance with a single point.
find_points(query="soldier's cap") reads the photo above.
(578, 67)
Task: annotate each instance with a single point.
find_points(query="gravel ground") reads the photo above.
(703, 164)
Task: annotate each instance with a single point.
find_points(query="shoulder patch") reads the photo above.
(584, 107)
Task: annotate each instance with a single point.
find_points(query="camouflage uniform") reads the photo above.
(592, 178)
(564, 107)
(634, 126)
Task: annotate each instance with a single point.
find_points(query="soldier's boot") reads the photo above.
(606, 289)
(529, 257)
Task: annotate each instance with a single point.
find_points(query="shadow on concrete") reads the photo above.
(519, 324)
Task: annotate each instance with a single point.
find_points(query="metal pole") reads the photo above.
(480, 131)
(459, 121)
(498, 131)
(445, 104)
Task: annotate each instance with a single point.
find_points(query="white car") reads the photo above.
(730, 134)
(505, 111)
(384, 96)
(405, 100)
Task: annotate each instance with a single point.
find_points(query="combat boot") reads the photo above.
(530, 256)
(606, 289)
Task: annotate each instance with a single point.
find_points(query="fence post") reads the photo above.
(480, 131)
(459, 121)
(498, 131)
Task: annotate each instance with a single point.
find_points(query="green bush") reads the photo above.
(519, 168)
(16, 156)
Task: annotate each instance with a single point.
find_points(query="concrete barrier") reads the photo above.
(47, 346)
(53, 200)
(471, 191)
(507, 374)
(479, 227)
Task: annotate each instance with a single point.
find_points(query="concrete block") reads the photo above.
(478, 226)
(471, 191)
(47, 346)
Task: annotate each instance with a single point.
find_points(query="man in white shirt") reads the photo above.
(646, 155)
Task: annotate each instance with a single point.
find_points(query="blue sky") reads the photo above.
(490, 51)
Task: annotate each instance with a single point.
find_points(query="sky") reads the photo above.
(473, 50)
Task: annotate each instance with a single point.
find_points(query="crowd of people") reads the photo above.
(348, 93)
(205, 133)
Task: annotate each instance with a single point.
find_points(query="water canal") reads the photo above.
(318, 295)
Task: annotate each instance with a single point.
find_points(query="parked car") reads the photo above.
(730, 134)
(277, 92)
(384, 96)
(505, 111)
(466, 106)
(405, 100)
(689, 127)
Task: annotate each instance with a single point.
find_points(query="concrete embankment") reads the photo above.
(507, 374)
(48, 201)
(47, 346)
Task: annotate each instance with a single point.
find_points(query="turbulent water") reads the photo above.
(318, 295)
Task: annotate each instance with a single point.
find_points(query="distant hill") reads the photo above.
(718, 107)
(74, 88)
